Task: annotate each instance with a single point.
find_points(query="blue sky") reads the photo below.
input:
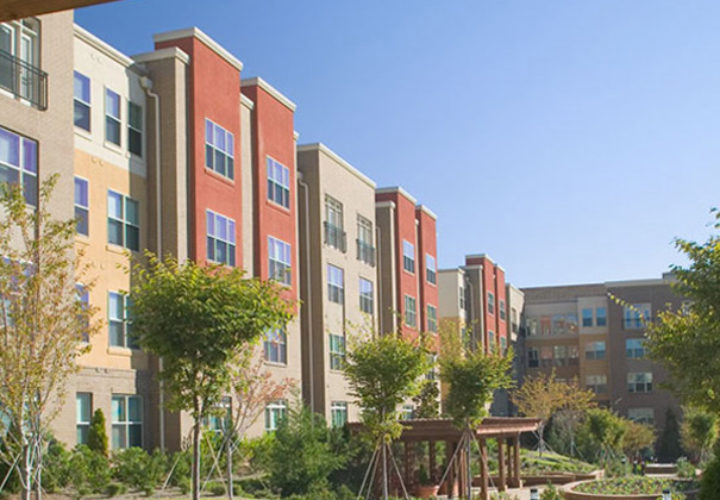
(569, 140)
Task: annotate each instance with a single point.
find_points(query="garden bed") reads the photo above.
(629, 488)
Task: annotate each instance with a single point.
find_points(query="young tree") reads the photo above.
(637, 437)
(542, 395)
(383, 372)
(669, 448)
(426, 401)
(607, 430)
(43, 323)
(699, 431)
(198, 319)
(686, 341)
(472, 379)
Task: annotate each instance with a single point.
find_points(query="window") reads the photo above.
(407, 412)
(338, 413)
(639, 381)
(432, 361)
(220, 232)
(595, 350)
(573, 355)
(278, 183)
(432, 322)
(275, 346)
(336, 284)
(514, 319)
(123, 221)
(219, 150)
(408, 256)
(83, 414)
(461, 295)
(635, 348)
(334, 233)
(546, 356)
(112, 117)
(365, 249)
(274, 413)
(82, 206)
(337, 352)
(491, 340)
(642, 415)
(81, 101)
(532, 356)
(503, 345)
(135, 129)
(127, 421)
(635, 316)
(221, 416)
(18, 164)
(410, 311)
(587, 317)
(119, 322)
(280, 268)
(84, 299)
(502, 310)
(600, 316)
(559, 355)
(596, 383)
(430, 269)
(367, 303)
(19, 72)
(491, 303)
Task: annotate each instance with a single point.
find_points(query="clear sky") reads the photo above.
(570, 140)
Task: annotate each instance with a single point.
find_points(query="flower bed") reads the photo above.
(635, 486)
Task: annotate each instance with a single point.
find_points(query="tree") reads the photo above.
(607, 430)
(198, 319)
(43, 323)
(97, 439)
(382, 373)
(426, 401)
(686, 341)
(637, 437)
(698, 431)
(472, 378)
(542, 395)
(669, 447)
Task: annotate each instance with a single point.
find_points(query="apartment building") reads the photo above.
(582, 334)
(339, 275)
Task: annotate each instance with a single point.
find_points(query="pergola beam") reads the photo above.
(18, 9)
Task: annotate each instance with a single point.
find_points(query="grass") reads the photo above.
(635, 485)
(531, 463)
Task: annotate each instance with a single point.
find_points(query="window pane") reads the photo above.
(81, 192)
(81, 87)
(131, 211)
(135, 435)
(115, 232)
(134, 409)
(118, 437)
(9, 148)
(132, 238)
(135, 142)
(118, 409)
(29, 160)
(81, 115)
(30, 189)
(135, 116)
(115, 201)
(112, 104)
(82, 401)
(112, 130)
(9, 175)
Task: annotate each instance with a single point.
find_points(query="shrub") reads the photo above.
(551, 493)
(710, 482)
(97, 439)
(216, 488)
(301, 458)
(685, 469)
(56, 467)
(115, 489)
(135, 468)
(180, 464)
(89, 471)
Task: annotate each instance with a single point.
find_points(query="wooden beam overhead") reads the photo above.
(18, 9)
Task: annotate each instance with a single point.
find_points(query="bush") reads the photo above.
(56, 472)
(89, 471)
(135, 468)
(97, 439)
(115, 489)
(216, 488)
(551, 493)
(710, 482)
(301, 458)
(685, 469)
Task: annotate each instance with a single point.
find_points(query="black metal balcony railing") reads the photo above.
(335, 237)
(365, 252)
(23, 80)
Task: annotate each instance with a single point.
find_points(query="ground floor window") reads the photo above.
(126, 421)
(338, 413)
(274, 413)
(83, 413)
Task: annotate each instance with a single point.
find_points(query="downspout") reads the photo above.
(308, 302)
(378, 277)
(146, 84)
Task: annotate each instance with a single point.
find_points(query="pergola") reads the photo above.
(506, 430)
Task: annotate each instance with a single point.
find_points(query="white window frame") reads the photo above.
(82, 425)
(491, 303)
(109, 116)
(78, 100)
(593, 352)
(226, 151)
(275, 411)
(214, 240)
(596, 383)
(25, 170)
(635, 316)
(635, 352)
(338, 413)
(275, 346)
(431, 269)
(408, 256)
(503, 312)
(410, 304)
(640, 382)
(82, 212)
(636, 415)
(127, 423)
(123, 220)
(601, 319)
(124, 322)
(336, 288)
(279, 261)
(432, 321)
(367, 296)
(337, 351)
(278, 178)
(135, 130)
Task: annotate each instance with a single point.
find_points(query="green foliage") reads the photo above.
(687, 341)
(56, 473)
(216, 488)
(472, 379)
(551, 493)
(606, 429)
(135, 468)
(97, 436)
(357, 452)
(638, 437)
(427, 401)
(685, 469)
(669, 448)
(382, 372)
(699, 431)
(302, 457)
(635, 485)
(710, 481)
(115, 489)
(89, 471)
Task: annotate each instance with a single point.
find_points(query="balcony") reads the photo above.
(335, 237)
(365, 252)
(23, 80)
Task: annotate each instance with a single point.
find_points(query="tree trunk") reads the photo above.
(468, 447)
(385, 472)
(229, 468)
(26, 471)
(196, 452)
(541, 444)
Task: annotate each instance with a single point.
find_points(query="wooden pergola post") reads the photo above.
(511, 479)
(516, 460)
(483, 470)
(501, 465)
(431, 460)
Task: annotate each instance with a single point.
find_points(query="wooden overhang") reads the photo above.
(443, 429)
(18, 9)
